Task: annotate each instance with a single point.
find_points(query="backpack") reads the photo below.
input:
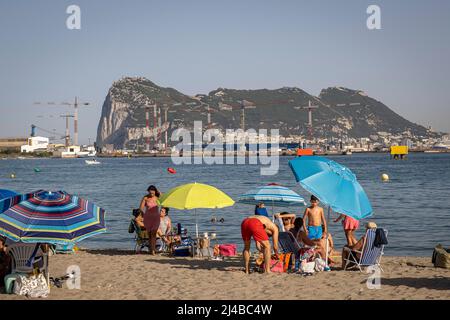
(441, 257)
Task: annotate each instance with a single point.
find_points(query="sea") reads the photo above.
(414, 206)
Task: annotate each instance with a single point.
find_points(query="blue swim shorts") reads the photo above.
(314, 232)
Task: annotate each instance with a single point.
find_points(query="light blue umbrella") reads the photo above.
(334, 184)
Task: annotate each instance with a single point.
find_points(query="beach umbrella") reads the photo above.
(195, 196)
(50, 217)
(272, 194)
(334, 184)
(7, 194)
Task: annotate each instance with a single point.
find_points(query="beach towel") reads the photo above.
(380, 238)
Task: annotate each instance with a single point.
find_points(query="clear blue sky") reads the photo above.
(196, 46)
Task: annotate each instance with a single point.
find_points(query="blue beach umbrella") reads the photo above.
(334, 184)
(7, 194)
(50, 217)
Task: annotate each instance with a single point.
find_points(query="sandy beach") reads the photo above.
(123, 275)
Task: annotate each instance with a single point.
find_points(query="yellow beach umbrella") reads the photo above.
(195, 196)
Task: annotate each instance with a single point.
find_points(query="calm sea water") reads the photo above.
(414, 206)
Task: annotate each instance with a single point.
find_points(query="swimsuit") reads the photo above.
(252, 227)
(151, 215)
(350, 224)
(314, 232)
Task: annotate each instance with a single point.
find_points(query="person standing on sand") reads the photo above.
(350, 225)
(314, 215)
(149, 205)
(260, 228)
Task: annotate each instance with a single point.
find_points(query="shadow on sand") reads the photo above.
(110, 252)
(232, 264)
(439, 283)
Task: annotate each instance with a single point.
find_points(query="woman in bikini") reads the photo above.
(149, 205)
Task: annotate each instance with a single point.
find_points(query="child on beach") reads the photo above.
(350, 225)
(315, 217)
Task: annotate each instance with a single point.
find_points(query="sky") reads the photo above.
(197, 46)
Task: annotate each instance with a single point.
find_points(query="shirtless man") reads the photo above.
(316, 219)
(260, 228)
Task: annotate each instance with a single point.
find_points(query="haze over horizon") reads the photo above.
(198, 46)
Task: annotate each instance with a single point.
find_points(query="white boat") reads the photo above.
(94, 161)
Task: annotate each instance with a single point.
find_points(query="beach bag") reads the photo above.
(228, 250)
(275, 265)
(131, 228)
(441, 257)
(307, 267)
(320, 264)
(34, 286)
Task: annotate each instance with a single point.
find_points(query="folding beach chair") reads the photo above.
(369, 255)
(140, 237)
(289, 244)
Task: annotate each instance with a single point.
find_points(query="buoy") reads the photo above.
(12, 175)
(37, 170)
(384, 177)
(171, 170)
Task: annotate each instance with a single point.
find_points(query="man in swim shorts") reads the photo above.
(314, 216)
(260, 228)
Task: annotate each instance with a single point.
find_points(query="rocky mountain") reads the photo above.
(340, 112)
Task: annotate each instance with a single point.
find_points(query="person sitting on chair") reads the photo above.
(165, 226)
(300, 234)
(5, 261)
(356, 248)
(288, 220)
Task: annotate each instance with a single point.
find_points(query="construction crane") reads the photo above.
(67, 137)
(310, 109)
(75, 105)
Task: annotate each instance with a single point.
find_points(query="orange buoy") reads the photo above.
(171, 170)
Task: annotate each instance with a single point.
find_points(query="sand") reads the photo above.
(114, 274)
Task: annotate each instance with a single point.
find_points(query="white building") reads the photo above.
(67, 152)
(35, 144)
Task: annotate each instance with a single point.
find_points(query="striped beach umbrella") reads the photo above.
(50, 217)
(7, 194)
(272, 194)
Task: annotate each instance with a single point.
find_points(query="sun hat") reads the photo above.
(371, 225)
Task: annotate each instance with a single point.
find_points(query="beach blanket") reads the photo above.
(441, 257)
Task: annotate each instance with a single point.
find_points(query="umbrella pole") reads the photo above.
(273, 218)
(196, 234)
(326, 252)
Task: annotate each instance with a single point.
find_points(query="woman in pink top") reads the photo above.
(149, 205)
(350, 225)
